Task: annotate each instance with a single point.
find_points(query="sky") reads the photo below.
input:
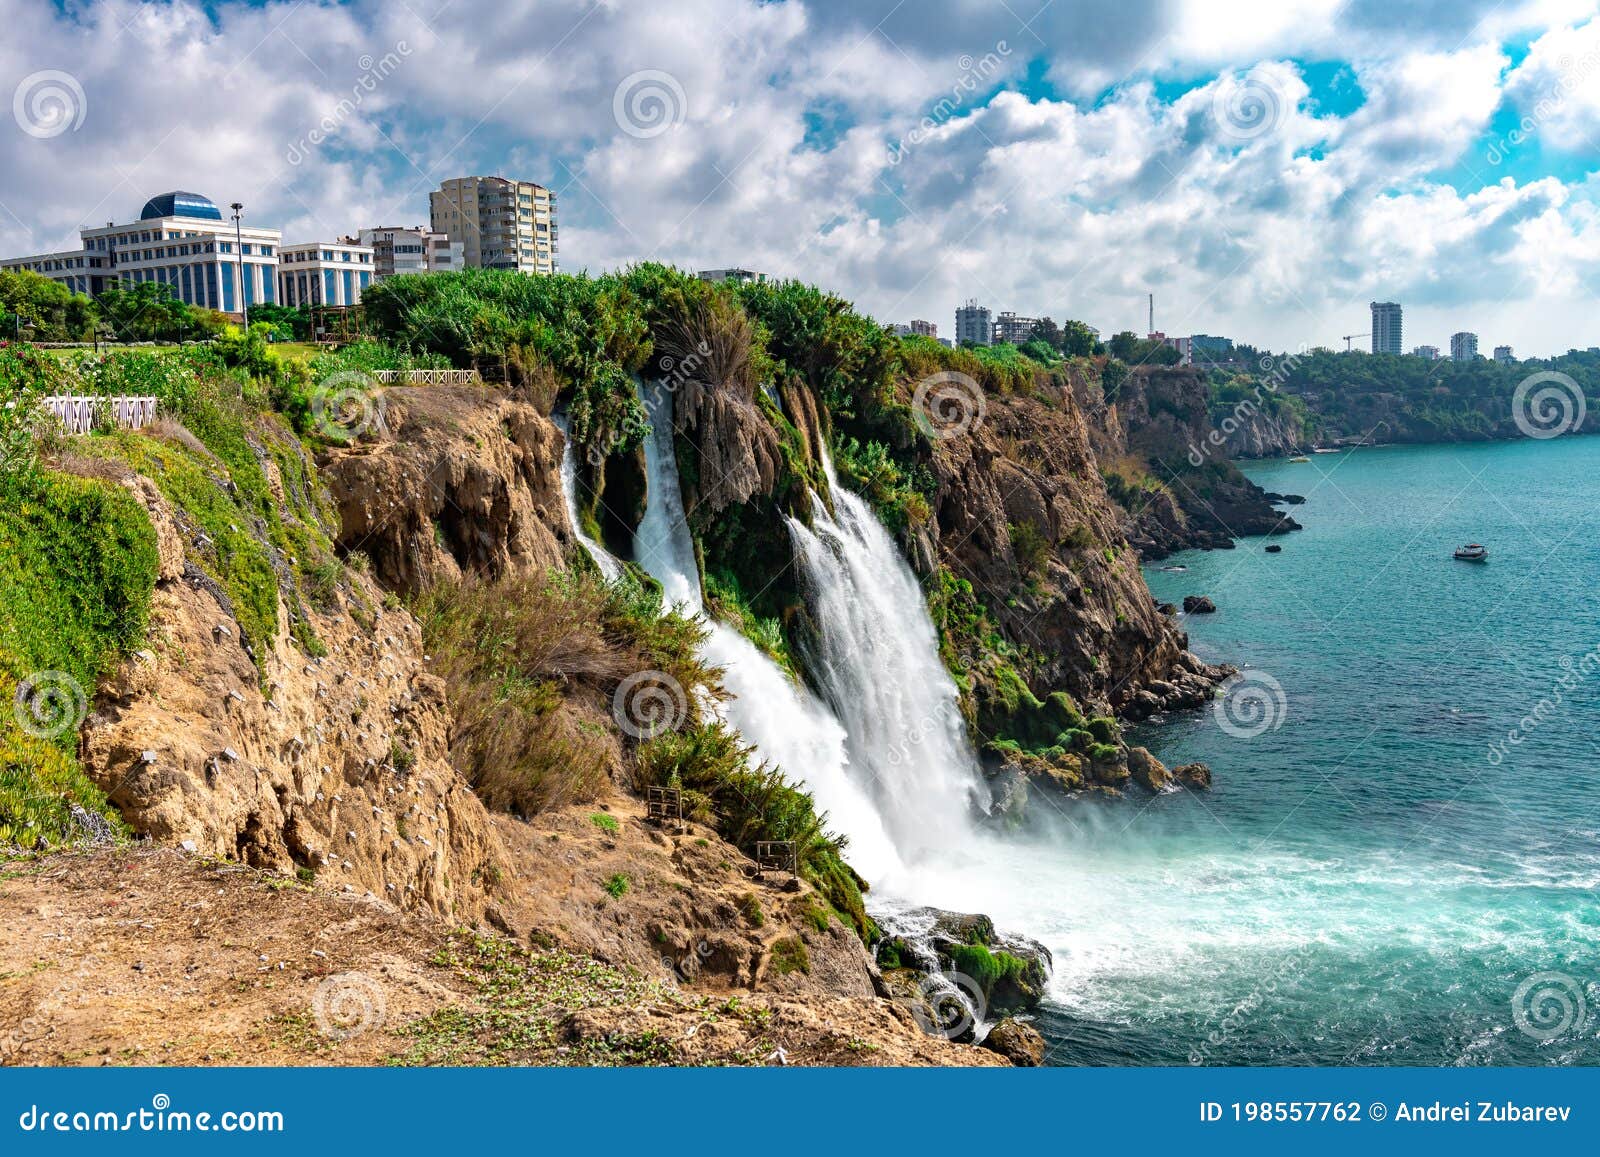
(1266, 169)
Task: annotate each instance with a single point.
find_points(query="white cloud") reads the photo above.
(1246, 208)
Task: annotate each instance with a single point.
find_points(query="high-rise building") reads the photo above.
(924, 328)
(1011, 329)
(324, 272)
(1386, 327)
(501, 223)
(972, 324)
(1431, 352)
(414, 249)
(1503, 355)
(181, 239)
(1463, 346)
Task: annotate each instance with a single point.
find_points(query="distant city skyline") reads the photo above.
(1081, 163)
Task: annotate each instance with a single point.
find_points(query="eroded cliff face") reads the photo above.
(1256, 434)
(1023, 515)
(448, 481)
(1168, 467)
(333, 765)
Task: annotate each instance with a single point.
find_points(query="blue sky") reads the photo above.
(1266, 169)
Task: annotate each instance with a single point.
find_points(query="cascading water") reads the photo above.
(788, 728)
(877, 664)
(608, 565)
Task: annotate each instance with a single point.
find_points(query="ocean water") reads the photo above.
(1379, 875)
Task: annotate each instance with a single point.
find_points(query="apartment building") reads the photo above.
(973, 324)
(1463, 346)
(414, 249)
(1012, 328)
(500, 223)
(181, 239)
(1386, 327)
(741, 276)
(324, 272)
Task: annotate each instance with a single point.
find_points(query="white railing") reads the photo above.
(77, 413)
(428, 377)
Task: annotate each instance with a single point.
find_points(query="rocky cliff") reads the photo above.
(1168, 467)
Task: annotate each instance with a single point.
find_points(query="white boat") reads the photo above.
(1473, 552)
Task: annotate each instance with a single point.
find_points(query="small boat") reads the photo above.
(1473, 552)
(1300, 458)
(1325, 450)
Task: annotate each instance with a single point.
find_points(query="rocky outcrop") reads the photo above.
(1198, 605)
(929, 953)
(331, 765)
(1252, 432)
(1022, 514)
(452, 480)
(1190, 494)
(1017, 1041)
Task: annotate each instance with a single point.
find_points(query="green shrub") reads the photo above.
(617, 886)
(607, 824)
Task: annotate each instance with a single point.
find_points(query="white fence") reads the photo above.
(77, 413)
(428, 377)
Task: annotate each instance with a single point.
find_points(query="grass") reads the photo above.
(607, 824)
(617, 886)
(524, 655)
(77, 571)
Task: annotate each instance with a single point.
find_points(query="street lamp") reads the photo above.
(238, 240)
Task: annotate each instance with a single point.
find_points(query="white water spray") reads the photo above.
(609, 566)
(788, 728)
(877, 664)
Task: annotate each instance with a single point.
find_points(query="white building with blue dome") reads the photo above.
(181, 239)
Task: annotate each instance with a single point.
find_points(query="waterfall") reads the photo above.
(788, 727)
(609, 566)
(877, 664)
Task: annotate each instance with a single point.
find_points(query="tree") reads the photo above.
(1078, 340)
(1046, 331)
(47, 310)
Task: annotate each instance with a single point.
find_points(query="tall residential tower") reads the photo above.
(500, 223)
(1386, 327)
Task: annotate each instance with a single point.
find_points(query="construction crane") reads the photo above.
(1350, 337)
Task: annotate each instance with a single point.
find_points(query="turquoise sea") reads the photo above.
(1379, 876)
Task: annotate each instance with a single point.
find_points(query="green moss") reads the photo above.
(77, 569)
(986, 967)
(790, 955)
(725, 597)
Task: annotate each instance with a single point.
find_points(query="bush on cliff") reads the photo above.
(532, 661)
(747, 802)
(77, 570)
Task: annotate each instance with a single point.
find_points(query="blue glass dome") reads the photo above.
(181, 204)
